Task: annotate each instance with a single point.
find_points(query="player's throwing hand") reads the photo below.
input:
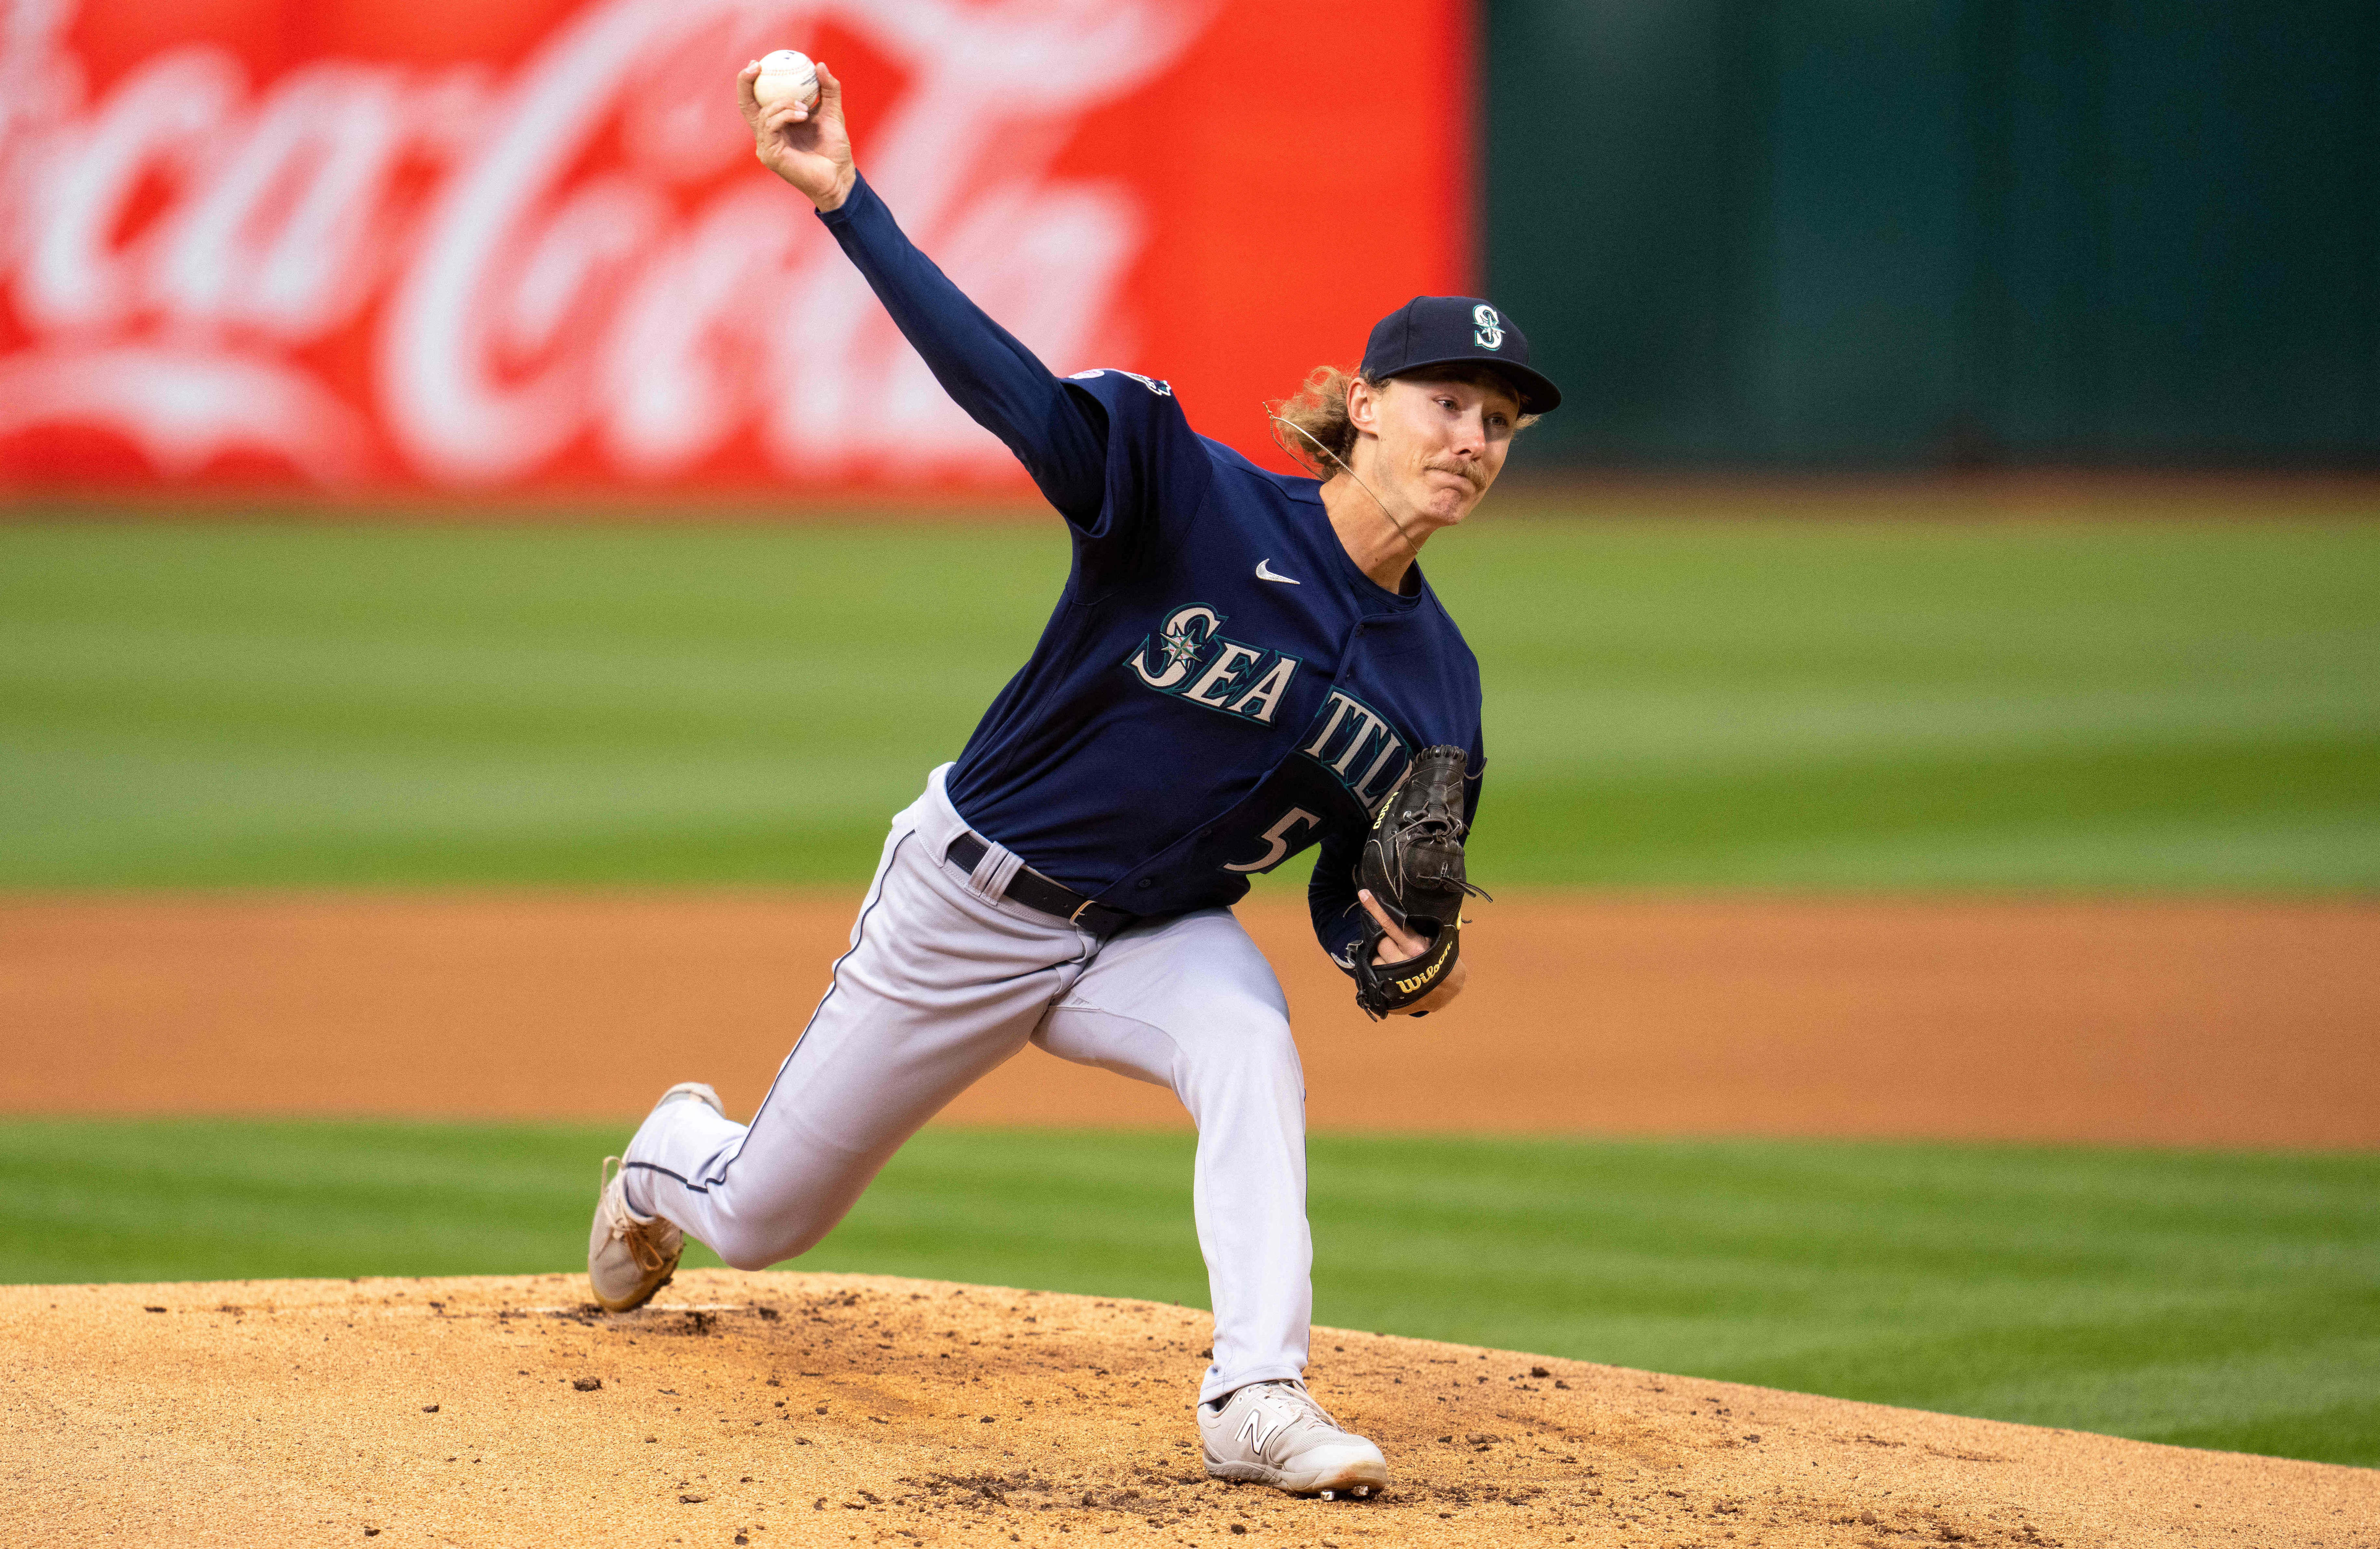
(805, 146)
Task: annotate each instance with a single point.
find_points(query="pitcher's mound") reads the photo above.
(830, 1409)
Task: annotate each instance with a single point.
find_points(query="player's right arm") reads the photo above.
(1060, 437)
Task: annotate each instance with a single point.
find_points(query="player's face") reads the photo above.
(1442, 442)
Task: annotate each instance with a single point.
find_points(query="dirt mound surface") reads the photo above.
(833, 1410)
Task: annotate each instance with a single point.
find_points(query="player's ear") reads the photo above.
(1363, 405)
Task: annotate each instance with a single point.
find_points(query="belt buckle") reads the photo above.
(1076, 918)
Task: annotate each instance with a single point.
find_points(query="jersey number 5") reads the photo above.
(1277, 839)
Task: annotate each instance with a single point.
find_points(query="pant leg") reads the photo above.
(1190, 1003)
(940, 984)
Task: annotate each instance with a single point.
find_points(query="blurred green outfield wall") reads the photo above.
(1814, 233)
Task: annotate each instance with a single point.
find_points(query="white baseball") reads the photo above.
(787, 76)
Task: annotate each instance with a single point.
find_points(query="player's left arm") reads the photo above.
(1331, 896)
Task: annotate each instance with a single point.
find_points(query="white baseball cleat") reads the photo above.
(630, 1256)
(1273, 1433)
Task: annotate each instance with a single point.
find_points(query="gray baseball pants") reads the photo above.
(945, 979)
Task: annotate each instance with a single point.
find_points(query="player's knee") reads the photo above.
(759, 1244)
(738, 1257)
(742, 1251)
(1243, 1040)
(1272, 1046)
(1231, 1010)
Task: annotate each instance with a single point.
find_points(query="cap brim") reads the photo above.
(1536, 391)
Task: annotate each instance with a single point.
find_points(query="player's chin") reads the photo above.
(1447, 505)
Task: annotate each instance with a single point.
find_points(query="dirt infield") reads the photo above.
(837, 1410)
(2164, 1022)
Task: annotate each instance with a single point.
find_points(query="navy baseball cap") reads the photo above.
(1457, 330)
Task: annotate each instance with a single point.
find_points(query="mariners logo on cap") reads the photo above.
(1431, 330)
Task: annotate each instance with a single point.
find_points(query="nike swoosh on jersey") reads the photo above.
(1264, 573)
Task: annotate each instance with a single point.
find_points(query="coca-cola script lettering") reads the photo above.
(551, 262)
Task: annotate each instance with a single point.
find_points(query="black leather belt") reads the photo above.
(1036, 891)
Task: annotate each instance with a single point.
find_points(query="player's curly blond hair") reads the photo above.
(1318, 409)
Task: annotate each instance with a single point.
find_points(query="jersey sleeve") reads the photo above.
(1474, 779)
(1158, 468)
(1330, 895)
(985, 369)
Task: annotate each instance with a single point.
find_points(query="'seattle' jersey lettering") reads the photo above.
(1218, 687)
(1350, 730)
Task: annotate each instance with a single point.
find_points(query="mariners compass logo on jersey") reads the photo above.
(1191, 657)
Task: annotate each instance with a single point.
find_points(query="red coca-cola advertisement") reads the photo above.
(408, 247)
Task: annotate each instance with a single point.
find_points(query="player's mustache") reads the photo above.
(1468, 470)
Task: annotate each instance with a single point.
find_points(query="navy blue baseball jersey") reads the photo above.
(1220, 688)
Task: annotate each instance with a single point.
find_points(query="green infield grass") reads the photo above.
(2135, 705)
(2212, 1300)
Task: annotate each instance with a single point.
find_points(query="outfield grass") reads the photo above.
(2212, 1300)
(2133, 706)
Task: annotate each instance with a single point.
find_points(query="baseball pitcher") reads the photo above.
(1243, 665)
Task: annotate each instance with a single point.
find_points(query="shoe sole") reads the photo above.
(1356, 1480)
(631, 1305)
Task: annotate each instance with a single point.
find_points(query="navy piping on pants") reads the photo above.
(834, 982)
